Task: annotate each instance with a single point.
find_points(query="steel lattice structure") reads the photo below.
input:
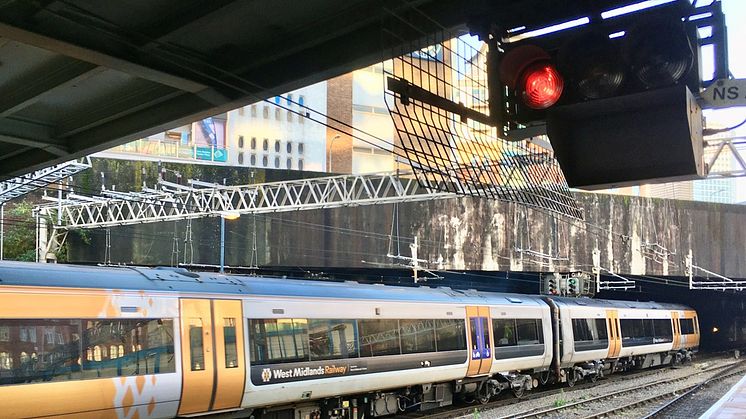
(171, 201)
(21, 185)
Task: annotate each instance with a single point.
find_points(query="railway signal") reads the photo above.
(616, 93)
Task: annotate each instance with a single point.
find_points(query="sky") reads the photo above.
(735, 15)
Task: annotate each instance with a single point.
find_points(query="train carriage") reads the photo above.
(155, 343)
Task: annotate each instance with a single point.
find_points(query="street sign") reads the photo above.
(724, 94)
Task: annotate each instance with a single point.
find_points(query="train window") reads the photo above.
(196, 345)
(62, 350)
(662, 330)
(229, 337)
(450, 335)
(582, 329)
(473, 330)
(416, 336)
(504, 330)
(637, 332)
(275, 341)
(687, 326)
(379, 337)
(589, 334)
(529, 331)
(332, 339)
(485, 333)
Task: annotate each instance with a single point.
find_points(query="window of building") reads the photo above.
(253, 160)
(379, 337)
(265, 112)
(289, 147)
(265, 161)
(277, 162)
(277, 100)
(240, 157)
(277, 114)
(253, 110)
(240, 111)
(265, 144)
(301, 100)
(4, 333)
(289, 116)
(332, 339)
(417, 336)
(289, 99)
(277, 146)
(240, 141)
(253, 143)
(6, 361)
(300, 164)
(300, 148)
(289, 164)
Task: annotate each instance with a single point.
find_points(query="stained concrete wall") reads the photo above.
(634, 235)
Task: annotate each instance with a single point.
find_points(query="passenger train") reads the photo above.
(90, 342)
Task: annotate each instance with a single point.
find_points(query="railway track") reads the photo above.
(451, 412)
(671, 405)
(734, 368)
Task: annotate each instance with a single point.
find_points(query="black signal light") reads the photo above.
(593, 65)
(659, 52)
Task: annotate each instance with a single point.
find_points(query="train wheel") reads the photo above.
(593, 378)
(544, 377)
(571, 378)
(483, 395)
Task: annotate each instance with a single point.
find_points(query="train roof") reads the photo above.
(183, 281)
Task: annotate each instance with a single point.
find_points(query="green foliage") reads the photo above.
(560, 400)
(476, 414)
(20, 232)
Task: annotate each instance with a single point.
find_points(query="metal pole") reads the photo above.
(222, 245)
(2, 228)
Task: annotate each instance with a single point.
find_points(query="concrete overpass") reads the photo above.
(78, 76)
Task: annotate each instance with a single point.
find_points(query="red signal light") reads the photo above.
(542, 85)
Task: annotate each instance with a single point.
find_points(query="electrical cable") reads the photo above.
(712, 131)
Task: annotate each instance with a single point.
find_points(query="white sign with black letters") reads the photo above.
(725, 94)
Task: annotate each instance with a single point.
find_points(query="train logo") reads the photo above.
(266, 375)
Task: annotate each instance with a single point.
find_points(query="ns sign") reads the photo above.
(724, 94)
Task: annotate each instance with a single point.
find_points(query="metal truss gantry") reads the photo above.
(170, 201)
(698, 282)
(733, 148)
(21, 185)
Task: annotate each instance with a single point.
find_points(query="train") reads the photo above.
(132, 342)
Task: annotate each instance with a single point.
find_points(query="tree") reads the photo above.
(20, 233)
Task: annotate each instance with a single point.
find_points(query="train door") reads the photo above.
(676, 330)
(480, 341)
(212, 355)
(615, 339)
